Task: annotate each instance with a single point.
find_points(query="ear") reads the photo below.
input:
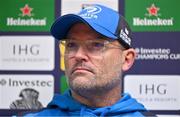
(129, 58)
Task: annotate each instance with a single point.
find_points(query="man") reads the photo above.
(97, 51)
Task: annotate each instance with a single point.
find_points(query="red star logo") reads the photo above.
(26, 10)
(153, 10)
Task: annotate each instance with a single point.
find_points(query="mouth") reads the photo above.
(81, 70)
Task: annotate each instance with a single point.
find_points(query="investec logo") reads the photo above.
(152, 11)
(12, 82)
(26, 11)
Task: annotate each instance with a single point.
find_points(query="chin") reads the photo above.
(81, 83)
(81, 77)
(81, 80)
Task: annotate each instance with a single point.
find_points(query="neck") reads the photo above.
(99, 100)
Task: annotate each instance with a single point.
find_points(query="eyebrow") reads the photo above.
(98, 37)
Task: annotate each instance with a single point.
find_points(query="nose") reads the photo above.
(81, 54)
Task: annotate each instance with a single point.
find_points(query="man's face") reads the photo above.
(87, 72)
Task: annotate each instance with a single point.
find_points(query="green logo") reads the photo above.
(152, 15)
(27, 15)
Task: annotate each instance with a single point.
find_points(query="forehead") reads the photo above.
(81, 31)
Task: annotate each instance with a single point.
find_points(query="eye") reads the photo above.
(97, 45)
(71, 45)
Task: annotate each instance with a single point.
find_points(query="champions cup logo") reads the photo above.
(90, 12)
(153, 19)
(29, 100)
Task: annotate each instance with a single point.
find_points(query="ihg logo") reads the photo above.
(20, 49)
(153, 89)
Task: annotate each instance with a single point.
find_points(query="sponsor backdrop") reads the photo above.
(32, 70)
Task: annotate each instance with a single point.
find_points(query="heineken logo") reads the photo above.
(26, 18)
(25, 22)
(26, 10)
(153, 18)
(153, 10)
(137, 21)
